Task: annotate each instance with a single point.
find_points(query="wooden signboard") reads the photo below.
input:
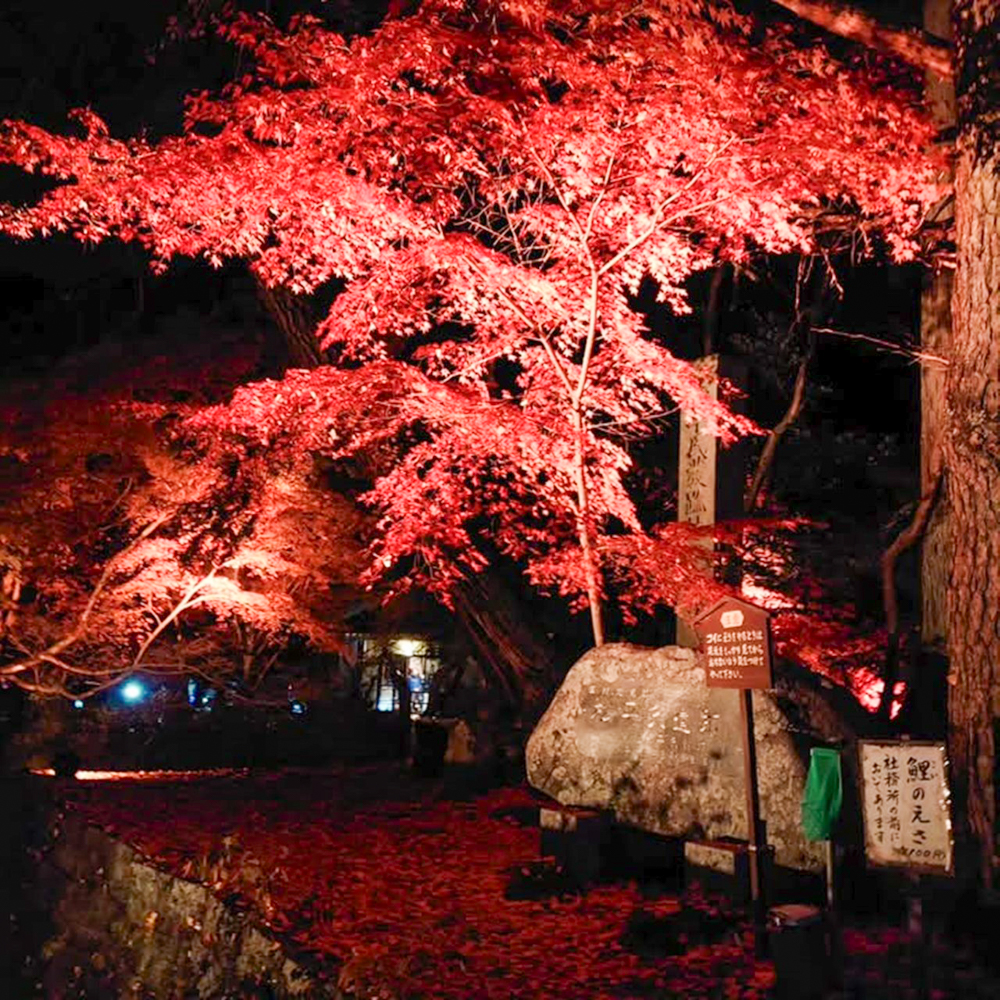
(736, 646)
(907, 808)
(736, 642)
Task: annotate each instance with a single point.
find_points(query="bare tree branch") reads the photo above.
(923, 357)
(51, 653)
(189, 600)
(918, 48)
(658, 217)
(904, 540)
(766, 459)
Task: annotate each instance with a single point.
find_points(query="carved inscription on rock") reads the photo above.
(619, 718)
(636, 731)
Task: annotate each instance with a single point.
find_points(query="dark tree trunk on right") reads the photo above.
(972, 441)
(935, 338)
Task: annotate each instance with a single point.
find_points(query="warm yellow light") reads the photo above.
(213, 772)
(408, 647)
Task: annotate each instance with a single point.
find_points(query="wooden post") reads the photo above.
(709, 479)
(736, 643)
(828, 857)
(916, 926)
(755, 836)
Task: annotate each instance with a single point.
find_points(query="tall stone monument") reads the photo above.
(710, 479)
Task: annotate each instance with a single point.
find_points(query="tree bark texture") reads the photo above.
(518, 662)
(10, 594)
(295, 317)
(917, 48)
(935, 338)
(935, 556)
(972, 442)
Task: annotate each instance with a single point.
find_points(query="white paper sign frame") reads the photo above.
(936, 800)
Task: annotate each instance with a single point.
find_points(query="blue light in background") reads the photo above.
(78, 703)
(298, 708)
(133, 691)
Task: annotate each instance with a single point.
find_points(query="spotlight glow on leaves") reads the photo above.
(491, 183)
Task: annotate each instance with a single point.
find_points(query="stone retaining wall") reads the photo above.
(121, 927)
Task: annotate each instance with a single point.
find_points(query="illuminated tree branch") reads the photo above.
(911, 45)
(52, 652)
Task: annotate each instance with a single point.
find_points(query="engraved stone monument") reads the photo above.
(637, 731)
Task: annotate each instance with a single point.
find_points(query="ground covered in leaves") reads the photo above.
(403, 889)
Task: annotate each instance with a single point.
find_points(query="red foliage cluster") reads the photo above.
(118, 552)
(491, 183)
(408, 898)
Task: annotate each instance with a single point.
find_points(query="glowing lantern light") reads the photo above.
(133, 691)
(407, 647)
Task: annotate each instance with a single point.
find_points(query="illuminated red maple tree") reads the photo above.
(487, 186)
(119, 552)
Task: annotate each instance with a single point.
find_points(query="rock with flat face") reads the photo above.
(636, 731)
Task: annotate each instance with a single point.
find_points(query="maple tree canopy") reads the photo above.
(138, 556)
(490, 183)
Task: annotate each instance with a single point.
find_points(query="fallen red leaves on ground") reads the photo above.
(401, 891)
(406, 897)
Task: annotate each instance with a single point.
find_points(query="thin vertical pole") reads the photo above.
(919, 939)
(835, 948)
(828, 856)
(754, 838)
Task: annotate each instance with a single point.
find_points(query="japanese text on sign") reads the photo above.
(730, 655)
(906, 804)
(734, 638)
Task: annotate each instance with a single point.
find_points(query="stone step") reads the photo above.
(570, 818)
(575, 837)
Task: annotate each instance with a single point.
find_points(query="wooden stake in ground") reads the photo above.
(736, 645)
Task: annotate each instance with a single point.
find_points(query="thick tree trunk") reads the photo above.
(935, 556)
(935, 338)
(972, 444)
(295, 317)
(517, 661)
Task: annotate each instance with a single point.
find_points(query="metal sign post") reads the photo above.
(736, 640)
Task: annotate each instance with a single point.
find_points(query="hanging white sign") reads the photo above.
(907, 807)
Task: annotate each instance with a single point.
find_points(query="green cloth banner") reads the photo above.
(824, 794)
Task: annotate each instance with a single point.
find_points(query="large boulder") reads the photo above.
(638, 732)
